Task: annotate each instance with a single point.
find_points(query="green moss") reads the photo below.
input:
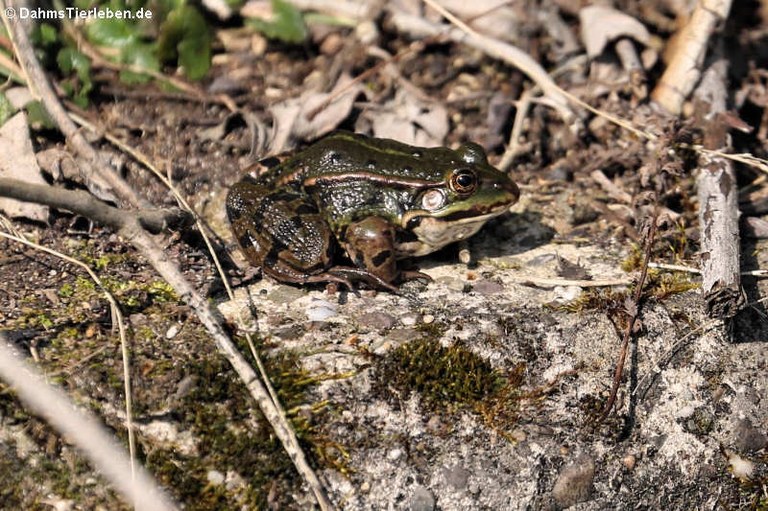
(233, 436)
(447, 378)
(605, 299)
(634, 261)
(662, 284)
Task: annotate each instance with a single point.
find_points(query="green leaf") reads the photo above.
(141, 55)
(6, 109)
(195, 57)
(48, 34)
(38, 117)
(185, 36)
(287, 24)
(69, 61)
(113, 33)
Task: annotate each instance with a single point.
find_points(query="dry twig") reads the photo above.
(682, 74)
(85, 204)
(718, 202)
(633, 309)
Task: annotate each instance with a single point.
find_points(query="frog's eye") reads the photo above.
(464, 181)
(432, 199)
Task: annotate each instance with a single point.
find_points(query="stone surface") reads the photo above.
(574, 483)
(659, 449)
(422, 499)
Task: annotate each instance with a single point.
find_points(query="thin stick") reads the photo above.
(633, 314)
(545, 282)
(83, 203)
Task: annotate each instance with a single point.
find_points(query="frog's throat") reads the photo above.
(412, 218)
(431, 233)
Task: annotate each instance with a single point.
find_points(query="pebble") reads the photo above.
(409, 319)
(748, 438)
(171, 332)
(394, 454)
(215, 477)
(377, 320)
(320, 310)
(741, 468)
(456, 476)
(574, 483)
(422, 499)
(487, 287)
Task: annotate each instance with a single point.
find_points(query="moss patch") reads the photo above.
(445, 378)
(449, 379)
(234, 438)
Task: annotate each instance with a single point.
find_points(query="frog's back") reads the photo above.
(345, 153)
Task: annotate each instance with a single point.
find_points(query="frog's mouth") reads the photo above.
(427, 232)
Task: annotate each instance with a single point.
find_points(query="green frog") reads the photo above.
(348, 207)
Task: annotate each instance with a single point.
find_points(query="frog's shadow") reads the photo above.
(508, 235)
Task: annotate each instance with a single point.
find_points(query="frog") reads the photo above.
(349, 208)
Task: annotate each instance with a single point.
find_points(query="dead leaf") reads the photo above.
(494, 18)
(410, 120)
(602, 25)
(573, 271)
(309, 117)
(17, 161)
(19, 97)
(59, 164)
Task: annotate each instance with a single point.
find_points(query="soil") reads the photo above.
(478, 390)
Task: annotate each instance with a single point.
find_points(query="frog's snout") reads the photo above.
(510, 188)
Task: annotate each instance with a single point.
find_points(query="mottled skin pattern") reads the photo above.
(348, 207)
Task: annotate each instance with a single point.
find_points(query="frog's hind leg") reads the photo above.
(282, 232)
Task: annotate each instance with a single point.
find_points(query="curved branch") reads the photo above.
(83, 203)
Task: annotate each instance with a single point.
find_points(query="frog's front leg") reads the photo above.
(282, 232)
(370, 244)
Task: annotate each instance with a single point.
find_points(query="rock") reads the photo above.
(422, 499)
(456, 476)
(487, 287)
(215, 477)
(574, 484)
(320, 310)
(747, 438)
(376, 320)
(285, 294)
